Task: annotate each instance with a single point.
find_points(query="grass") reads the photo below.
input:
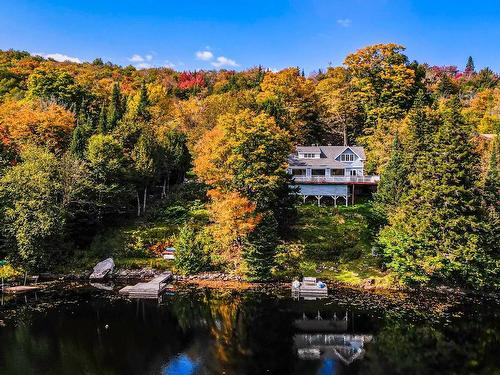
(337, 244)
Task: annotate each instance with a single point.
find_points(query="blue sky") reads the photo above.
(311, 34)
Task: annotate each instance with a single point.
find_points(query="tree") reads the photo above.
(142, 111)
(382, 81)
(393, 180)
(106, 162)
(37, 197)
(435, 232)
(56, 86)
(291, 100)
(24, 123)
(192, 250)
(340, 114)
(261, 247)
(80, 137)
(115, 108)
(145, 165)
(173, 155)
(469, 67)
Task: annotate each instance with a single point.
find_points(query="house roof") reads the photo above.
(328, 156)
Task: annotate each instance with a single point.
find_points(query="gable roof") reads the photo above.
(328, 156)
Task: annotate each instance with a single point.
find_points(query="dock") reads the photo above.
(309, 288)
(20, 289)
(151, 289)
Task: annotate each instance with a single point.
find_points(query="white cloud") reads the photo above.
(169, 64)
(59, 57)
(149, 57)
(136, 58)
(224, 61)
(143, 65)
(344, 22)
(204, 55)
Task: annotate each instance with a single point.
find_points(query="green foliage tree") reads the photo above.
(394, 181)
(38, 196)
(115, 108)
(192, 250)
(260, 248)
(435, 233)
(142, 111)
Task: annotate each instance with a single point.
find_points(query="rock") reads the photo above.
(103, 268)
(2, 324)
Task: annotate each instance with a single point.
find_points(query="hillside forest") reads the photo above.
(87, 147)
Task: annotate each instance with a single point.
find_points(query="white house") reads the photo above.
(329, 171)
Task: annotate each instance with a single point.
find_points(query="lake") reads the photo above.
(83, 330)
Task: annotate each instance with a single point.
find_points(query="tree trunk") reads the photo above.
(345, 134)
(144, 202)
(168, 181)
(164, 190)
(138, 204)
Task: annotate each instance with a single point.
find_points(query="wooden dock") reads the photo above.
(151, 289)
(20, 289)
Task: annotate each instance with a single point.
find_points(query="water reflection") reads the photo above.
(201, 332)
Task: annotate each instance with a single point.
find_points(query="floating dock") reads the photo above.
(151, 289)
(309, 288)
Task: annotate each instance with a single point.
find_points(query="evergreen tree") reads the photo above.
(434, 233)
(469, 67)
(102, 122)
(260, 248)
(393, 180)
(79, 140)
(115, 108)
(142, 112)
(491, 202)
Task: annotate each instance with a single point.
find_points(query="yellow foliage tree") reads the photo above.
(48, 125)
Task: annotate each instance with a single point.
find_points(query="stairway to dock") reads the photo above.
(151, 289)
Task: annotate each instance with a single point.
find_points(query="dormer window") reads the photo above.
(347, 157)
(309, 155)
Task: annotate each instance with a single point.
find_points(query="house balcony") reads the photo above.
(347, 180)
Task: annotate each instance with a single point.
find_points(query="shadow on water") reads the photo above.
(202, 331)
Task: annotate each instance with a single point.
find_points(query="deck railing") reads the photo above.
(340, 179)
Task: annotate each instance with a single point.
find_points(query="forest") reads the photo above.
(87, 147)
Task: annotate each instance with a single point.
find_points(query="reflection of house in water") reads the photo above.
(322, 338)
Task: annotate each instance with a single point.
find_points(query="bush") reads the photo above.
(192, 250)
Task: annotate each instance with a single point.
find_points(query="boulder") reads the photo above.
(102, 269)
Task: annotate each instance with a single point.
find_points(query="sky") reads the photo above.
(310, 34)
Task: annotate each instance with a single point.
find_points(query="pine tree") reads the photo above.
(434, 233)
(79, 139)
(491, 202)
(115, 108)
(393, 181)
(260, 248)
(142, 112)
(469, 67)
(102, 122)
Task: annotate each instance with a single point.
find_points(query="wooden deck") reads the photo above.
(151, 289)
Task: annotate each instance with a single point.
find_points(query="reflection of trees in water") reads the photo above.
(467, 346)
(248, 334)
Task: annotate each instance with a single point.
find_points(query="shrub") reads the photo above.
(192, 250)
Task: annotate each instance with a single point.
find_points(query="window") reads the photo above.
(336, 172)
(353, 172)
(347, 157)
(298, 172)
(309, 155)
(317, 172)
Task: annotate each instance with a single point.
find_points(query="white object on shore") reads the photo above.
(101, 269)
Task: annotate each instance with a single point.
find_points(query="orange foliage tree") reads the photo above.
(47, 125)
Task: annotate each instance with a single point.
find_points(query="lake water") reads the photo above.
(199, 331)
